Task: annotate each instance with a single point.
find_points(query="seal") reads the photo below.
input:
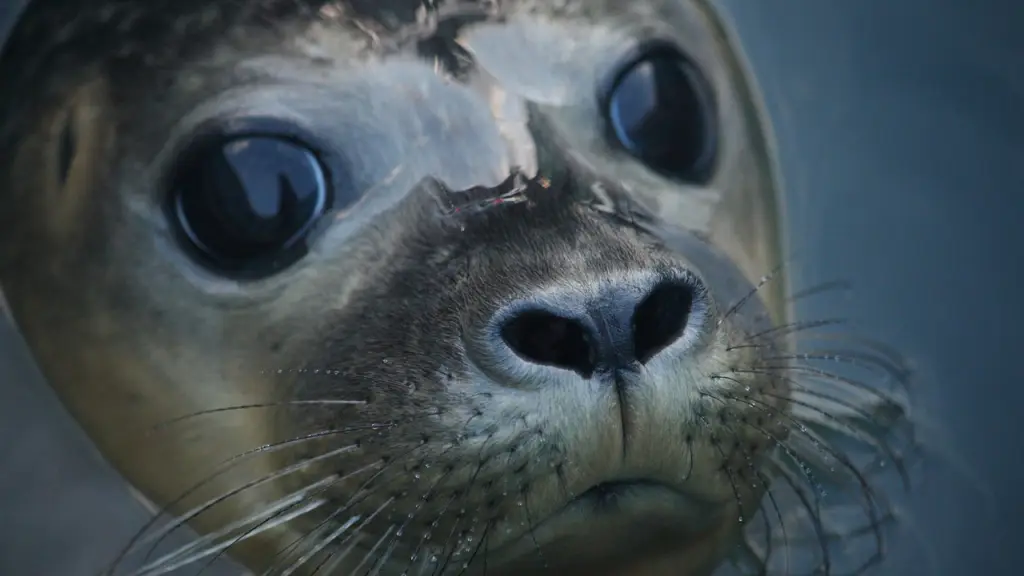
(395, 287)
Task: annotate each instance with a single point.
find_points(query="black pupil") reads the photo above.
(249, 197)
(660, 112)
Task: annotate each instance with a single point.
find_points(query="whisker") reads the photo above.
(531, 529)
(802, 430)
(836, 424)
(896, 362)
(419, 507)
(713, 440)
(872, 507)
(221, 468)
(444, 547)
(334, 535)
(781, 372)
(872, 363)
(156, 569)
(484, 538)
(832, 285)
(858, 434)
(784, 330)
(882, 411)
(332, 563)
(472, 482)
(819, 530)
(192, 514)
(360, 494)
(351, 536)
(289, 501)
(782, 523)
(767, 523)
(689, 447)
(284, 403)
(336, 480)
(816, 511)
(385, 558)
(746, 298)
(371, 553)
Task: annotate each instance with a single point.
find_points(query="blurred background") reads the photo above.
(900, 131)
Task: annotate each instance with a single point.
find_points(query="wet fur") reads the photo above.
(324, 419)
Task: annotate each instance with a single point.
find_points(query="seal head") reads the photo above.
(394, 287)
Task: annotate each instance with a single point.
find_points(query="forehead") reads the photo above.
(157, 34)
(173, 64)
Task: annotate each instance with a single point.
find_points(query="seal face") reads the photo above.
(426, 287)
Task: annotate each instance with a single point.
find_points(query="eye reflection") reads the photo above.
(660, 110)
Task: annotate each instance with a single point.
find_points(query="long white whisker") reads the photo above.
(280, 505)
(154, 569)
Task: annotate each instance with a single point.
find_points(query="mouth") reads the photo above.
(640, 501)
(621, 495)
(644, 514)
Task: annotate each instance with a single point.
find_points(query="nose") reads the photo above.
(620, 325)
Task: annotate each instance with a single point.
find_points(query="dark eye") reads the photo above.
(659, 108)
(246, 202)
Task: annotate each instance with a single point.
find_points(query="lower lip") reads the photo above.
(613, 496)
(623, 511)
(631, 503)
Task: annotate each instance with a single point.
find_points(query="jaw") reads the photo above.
(614, 529)
(579, 540)
(652, 551)
(621, 529)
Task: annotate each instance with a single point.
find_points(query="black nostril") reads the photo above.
(545, 338)
(616, 329)
(660, 319)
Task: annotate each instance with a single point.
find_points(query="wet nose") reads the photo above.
(623, 324)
